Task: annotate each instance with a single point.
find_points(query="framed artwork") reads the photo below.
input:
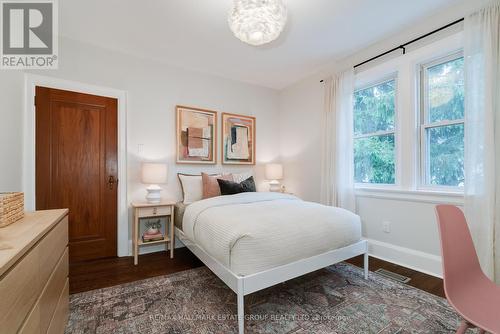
(238, 139)
(196, 136)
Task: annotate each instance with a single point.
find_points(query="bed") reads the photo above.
(252, 241)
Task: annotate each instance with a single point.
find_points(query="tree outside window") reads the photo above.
(442, 122)
(374, 133)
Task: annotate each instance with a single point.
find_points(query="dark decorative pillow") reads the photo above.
(231, 188)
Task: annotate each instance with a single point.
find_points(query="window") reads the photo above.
(374, 133)
(442, 122)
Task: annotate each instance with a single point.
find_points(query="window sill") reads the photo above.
(424, 196)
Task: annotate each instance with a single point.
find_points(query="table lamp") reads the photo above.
(154, 174)
(274, 172)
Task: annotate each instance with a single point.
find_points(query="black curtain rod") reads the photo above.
(403, 46)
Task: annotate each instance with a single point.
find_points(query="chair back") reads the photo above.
(459, 256)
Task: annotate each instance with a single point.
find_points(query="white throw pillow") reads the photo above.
(192, 188)
(240, 177)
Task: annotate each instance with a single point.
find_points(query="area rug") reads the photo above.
(332, 300)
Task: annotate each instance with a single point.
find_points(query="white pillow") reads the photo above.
(192, 188)
(240, 177)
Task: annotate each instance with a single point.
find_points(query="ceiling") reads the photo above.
(194, 34)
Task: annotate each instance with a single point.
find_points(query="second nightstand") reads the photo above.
(158, 210)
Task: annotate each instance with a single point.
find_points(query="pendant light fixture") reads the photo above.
(257, 22)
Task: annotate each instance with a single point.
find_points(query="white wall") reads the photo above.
(153, 90)
(413, 239)
(300, 142)
(11, 117)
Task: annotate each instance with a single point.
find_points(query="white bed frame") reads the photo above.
(244, 285)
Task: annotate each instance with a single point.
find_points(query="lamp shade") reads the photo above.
(154, 173)
(274, 171)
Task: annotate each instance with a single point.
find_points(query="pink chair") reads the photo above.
(467, 288)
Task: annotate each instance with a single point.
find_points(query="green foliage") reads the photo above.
(155, 224)
(374, 160)
(374, 110)
(445, 154)
(446, 91)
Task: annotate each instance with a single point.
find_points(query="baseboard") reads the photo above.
(420, 261)
(153, 248)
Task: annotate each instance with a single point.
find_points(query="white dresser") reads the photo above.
(34, 288)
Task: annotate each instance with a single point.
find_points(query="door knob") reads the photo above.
(112, 181)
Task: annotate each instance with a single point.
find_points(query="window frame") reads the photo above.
(424, 125)
(383, 79)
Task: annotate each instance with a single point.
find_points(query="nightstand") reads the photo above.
(157, 210)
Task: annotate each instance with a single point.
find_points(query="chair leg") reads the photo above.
(463, 327)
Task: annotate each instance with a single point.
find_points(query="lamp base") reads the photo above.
(274, 186)
(153, 196)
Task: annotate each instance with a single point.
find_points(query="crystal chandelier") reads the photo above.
(257, 22)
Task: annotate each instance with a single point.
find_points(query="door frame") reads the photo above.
(31, 81)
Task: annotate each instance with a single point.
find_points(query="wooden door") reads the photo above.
(77, 167)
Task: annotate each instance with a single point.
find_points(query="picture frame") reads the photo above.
(196, 135)
(238, 142)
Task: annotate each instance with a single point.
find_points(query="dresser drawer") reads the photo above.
(50, 303)
(154, 211)
(60, 318)
(52, 247)
(52, 291)
(19, 289)
(32, 323)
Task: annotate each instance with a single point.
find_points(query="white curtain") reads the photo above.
(482, 134)
(337, 179)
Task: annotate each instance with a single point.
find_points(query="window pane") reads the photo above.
(446, 155)
(374, 108)
(374, 160)
(446, 91)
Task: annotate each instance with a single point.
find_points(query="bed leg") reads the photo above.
(365, 256)
(241, 313)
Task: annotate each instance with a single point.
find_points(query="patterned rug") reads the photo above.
(332, 300)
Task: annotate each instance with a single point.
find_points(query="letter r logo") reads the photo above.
(27, 28)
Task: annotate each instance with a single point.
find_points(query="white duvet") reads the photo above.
(252, 232)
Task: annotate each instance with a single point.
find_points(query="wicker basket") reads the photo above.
(11, 208)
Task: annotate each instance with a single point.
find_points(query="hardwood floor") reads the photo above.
(418, 280)
(85, 276)
(96, 274)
